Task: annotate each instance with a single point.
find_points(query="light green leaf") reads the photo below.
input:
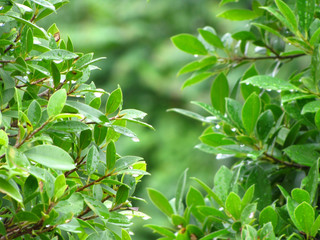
(267, 28)
(238, 14)
(196, 79)
(188, 113)
(219, 92)
(97, 207)
(106, 234)
(34, 112)
(189, 44)
(56, 102)
(161, 230)
(50, 156)
(57, 54)
(160, 201)
(248, 196)
(288, 14)
(300, 195)
(310, 183)
(180, 189)
(315, 227)
(126, 162)
(215, 234)
(59, 186)
(211, 38)
(266, 232)
(125, 235)
(7, 188)
(45, 4)
(70, 126)
(197, 65)
(268, 214)
(270, 83)
(247, 214)
(233, 205)
(215, 139)
(222, 182)
(306, 13)
(304, 215)
(250, 112)
(194, 197)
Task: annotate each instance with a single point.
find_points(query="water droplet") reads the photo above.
(135, 139)
(269, 90)
(1, 24)
(146, 218)
(58, 61)
(292, 90)
(233, 129)
(135, 175)
(78, 96)
(247, 83)
(279, 91)
(47, 225)
(221, 209)
(217, 126)
(1, 8)
(251, 215)
(242, 145)
(196, 55)
(223, 156)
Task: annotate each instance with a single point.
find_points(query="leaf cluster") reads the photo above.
(60, 174)
(268, 123)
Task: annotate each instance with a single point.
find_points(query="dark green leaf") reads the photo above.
(122, 195)
(111, 155)
(114, 101)
(97, 207)
(233, 109)
(305, 13)
(99, 134)
(34, 112)
(70, 126)
(264, 124)
(250, 112)
(219, 92)
(85, 138)
(302, 154)
(311, 182)
(180, 189)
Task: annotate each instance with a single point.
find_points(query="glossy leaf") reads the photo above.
(233, 205)
(50, 156)
(270, 83)
(160, 201)
(189, 44)
(56, 102)
(92, 160)
(114, 101)
(304, 215)
(196, 79)
(219, 92)
(233, 109)
(194, 197)
(58, 54)
(311, 107)
(8, 188)
(237, 14)
(302, 154)
(264, 124)
(250, 112)
(222, 182)
(211, 38)
(288, 14)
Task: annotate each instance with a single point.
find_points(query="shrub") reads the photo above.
(267, 120)
(60, 175)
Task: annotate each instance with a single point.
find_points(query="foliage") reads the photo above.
(60, 174)
(266, 120)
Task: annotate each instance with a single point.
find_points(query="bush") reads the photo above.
(267, 119)
(60, 175)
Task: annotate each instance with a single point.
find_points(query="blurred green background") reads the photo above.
(135, 37)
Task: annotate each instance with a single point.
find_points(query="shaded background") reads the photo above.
(135, 37)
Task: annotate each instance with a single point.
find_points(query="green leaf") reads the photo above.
(194, 197)
(213, 212)
(215, 139)
(85, 138)
(233, 109)
(70, 126)
(114, 101)
(315, 227)
(122, 195)
(233, 205)
(288, 14)
(180, 189)
(4, 140)
(270, 83)
(302, 154)
(161, 230)
(160, 201)
(97, 207)
(126, 162)
(215, 234)
(219, 92)
(250, 112)
(111, 155)
(248, 196)
(100, 134)
(304, 215)
(23, 216)
(50, 156)
(196, 79)
(211, 38)
(222, 182)
(105, 234)
(264, 124)
(12, 191)
(29, 40)
(60, 186)
(244, 36)
(268, 214)
(212, 194)
(189, 44)
(188, 113)
(310, 183)
(266, 232)
(125, 235)
(93, 158)
(317, 119)
(56, 102)
(223, 2)
(197, 65)
(300, 195)
(311, 107)
(57, 54)
(306, 13)
(34, 112)
(247, 214)
(45, 4)
(238, 14)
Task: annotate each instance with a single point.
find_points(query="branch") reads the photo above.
(240, 59)
(94, 182)
(288, 164)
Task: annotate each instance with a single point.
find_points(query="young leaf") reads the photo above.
(233, 205)
(114, 101)
(250, 112)
(304, 215)
(50, 156)
(268, 214)
(288, 14)
(56, 102)
(219, 91)
(180, 189)
(189, 44)
(160, 201)
(125, 235)
(300, 195)
(59, 186)
(211, 38)
(238, 14)
(194, 198)
(196, 79)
